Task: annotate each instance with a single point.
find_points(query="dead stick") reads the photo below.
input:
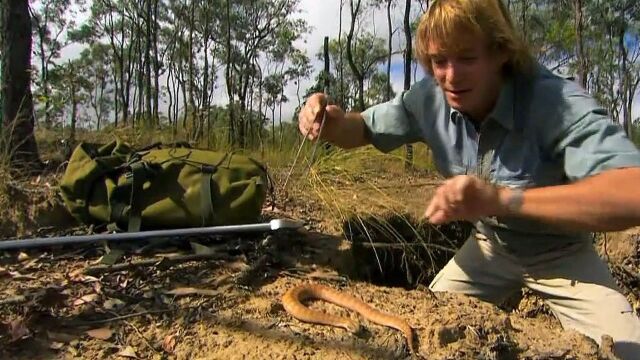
(144, 338)
(117, 318)
(167, 261)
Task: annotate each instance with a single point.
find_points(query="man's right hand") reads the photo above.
(311, 117)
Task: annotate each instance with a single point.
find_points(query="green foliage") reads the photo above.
(369, 52)
(376, 91)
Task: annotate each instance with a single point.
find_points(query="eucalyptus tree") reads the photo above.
(50, 20)
(599, 46)
(408, 58)
(388, 5)
(253, 29)
(354, 9)
(368, 53)
(94, 62)
(71, 88)
(17, 140)
(114, 21)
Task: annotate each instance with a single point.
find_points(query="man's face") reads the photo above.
(470, 76)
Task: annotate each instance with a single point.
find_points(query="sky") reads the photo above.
(323, 18)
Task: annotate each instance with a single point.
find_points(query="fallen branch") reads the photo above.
(144, 338)
(117, 318)
(164, 262)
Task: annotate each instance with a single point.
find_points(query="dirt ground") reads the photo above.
(228, 306)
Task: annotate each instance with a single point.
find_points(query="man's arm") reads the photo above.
(349, 133)
(386, 125)
(609, 201)
(343, 130)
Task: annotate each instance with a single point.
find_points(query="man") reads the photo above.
(530, 158)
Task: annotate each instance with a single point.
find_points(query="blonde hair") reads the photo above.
(446, 20)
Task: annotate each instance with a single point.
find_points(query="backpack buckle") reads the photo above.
(209, 169)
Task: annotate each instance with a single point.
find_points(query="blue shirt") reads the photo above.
(544, 130)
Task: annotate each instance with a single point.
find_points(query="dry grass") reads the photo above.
(368, 197)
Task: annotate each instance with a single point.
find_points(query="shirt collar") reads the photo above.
(503, 110)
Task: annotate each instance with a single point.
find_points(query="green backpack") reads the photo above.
(159, 187)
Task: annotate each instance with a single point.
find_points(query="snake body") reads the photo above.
(292, 302)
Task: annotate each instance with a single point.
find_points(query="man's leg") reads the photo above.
(481, 268)
(581, 292)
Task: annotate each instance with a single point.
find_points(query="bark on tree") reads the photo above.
(17, 103)
(387, 94)
(355, 10)
(407, 73)
(583, 69)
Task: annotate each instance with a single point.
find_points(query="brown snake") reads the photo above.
(292, 304)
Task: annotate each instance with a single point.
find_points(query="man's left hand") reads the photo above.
(464, 197)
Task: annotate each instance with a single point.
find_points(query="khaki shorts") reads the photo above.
(574, 282)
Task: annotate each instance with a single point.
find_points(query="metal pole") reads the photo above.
(140, 235)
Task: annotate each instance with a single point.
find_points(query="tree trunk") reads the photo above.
(273, 125)
(205, 83)
(259, 125)
(624, 81)
(229, 79)
(149, 121)
(192, 102)
(250, 128)
(387, 95)
(185, 107)
(341, 65)
(356, 72)
(523, 18)
(583, 69)
(44, 75)
(17, 110)
(156, 65)
(74, 112)
(169, 86)
(116, 99)
(141, 82)
(407, 73)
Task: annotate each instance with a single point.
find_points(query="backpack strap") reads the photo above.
(206, 201)
(125, 201)
(138, 177)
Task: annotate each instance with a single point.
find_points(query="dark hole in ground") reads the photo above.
(397, 250)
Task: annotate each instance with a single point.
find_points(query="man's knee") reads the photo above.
(596, 311)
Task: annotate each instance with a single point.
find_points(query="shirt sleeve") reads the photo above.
(396, 122)
(595, 144)
(587, 141)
